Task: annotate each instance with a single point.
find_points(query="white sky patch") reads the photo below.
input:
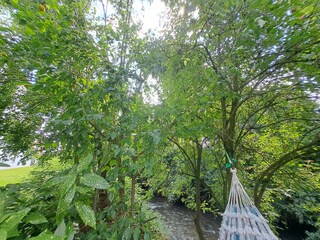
(152, 91)
(150, 15)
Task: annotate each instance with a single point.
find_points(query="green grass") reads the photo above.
(14, 175)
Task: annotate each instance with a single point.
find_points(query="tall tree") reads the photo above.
(248, 52)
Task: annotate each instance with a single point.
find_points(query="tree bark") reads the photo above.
(133, 193)
(133, 189)
(198, 190)
(121, 192)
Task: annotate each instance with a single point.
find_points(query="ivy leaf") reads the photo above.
(94, 180)
(86, 213)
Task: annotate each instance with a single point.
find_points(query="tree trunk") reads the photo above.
(121, 192)
(198, 210)
(133, 189)
(133, 193)
(198, 190)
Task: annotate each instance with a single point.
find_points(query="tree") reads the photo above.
(247, 55)
(82, 78)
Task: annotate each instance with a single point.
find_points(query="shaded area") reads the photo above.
(179, 221)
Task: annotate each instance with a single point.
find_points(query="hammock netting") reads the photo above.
(241, 219)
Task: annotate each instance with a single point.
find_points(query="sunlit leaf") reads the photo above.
(36, 218)
(61, 229)
(13, 220)
(46, 235)
(94, 180)
(86, 213)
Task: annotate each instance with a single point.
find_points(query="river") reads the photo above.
(179, 221)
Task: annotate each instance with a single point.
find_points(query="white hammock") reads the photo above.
(241, 219)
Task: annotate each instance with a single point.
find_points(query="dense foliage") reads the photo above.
(238, 83)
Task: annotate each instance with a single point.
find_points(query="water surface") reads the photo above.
(179, 221)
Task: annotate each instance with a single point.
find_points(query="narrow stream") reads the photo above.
(179, 221)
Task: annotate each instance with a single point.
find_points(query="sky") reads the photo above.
(148, 13)
(151, 16)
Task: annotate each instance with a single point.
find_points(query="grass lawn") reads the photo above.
(14, 175)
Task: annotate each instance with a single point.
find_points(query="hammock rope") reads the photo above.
(242, 219)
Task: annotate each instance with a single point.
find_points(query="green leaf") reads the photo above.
(3, 234)
(70, 195)
(1, 204)
(64, 204)
(70, 231)
(127, 234)
(146, 236)
(86, 213)
(14, 232)
(94, 180)
(156, 137)
(84, 163)
(46, 235)
(57, 180)
(112, 213)
(13, 220)
(65, 187)
(36, 218)
(113, 163)
(117, 151)
(111, 196)
(113, 135)
(136, 233)
(61, 229)
(4, 217)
